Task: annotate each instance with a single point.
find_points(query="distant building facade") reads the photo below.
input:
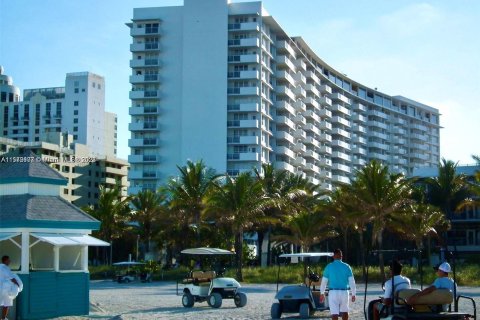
(84, 172)
(77, 108)
(223, 82)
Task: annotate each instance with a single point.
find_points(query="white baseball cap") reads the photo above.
(445, 267)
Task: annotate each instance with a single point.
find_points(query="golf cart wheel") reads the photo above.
(215, 300)
(187, 300)
(304, 310)
(276, 311)
(240, 299)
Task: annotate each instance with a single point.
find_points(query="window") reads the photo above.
(75, 103)
(99, 86)
(75, 129)
(93, 84)
(75, 112)
(75, 120)
(75, 90)
(76, 83)
(65, 191)
(75, 137)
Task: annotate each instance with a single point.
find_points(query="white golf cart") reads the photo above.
(124, 274)
(210, 286)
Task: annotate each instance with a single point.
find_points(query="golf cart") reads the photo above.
(303, 298)
(210, 286)
(426, 307)
(124, 274)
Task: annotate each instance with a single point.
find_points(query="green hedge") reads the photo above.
(467, 275)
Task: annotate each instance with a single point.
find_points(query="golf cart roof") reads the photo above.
(128, 263)
(207, 251)
(306, 255)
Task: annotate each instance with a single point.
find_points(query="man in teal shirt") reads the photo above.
(339, 277)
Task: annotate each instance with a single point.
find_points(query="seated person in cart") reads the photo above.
(382, 306)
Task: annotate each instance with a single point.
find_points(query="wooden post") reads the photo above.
(25, 254)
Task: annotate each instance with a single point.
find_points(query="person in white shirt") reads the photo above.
(6, 276)
(399, 282)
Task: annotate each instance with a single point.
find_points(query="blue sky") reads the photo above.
(427, 51)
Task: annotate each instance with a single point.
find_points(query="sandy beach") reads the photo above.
(158, 300)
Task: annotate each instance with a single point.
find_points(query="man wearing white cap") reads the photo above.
(442, 282)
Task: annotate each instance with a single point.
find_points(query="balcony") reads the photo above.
(300, 106)
(341, 144)
(312, 167)
(311, 75)
(285, 136)
(378, 124)
(378, 145)
(144, 78)
(311, 154)
(312, 128)
(284, 75)
(283, 46)
(282, 120)
(341, 167)
(325, 174)
(243, 124)
(325, 89)
(324, 113)
(280, 165)
(358, 150)
(246, 26)
(143, 142)
(341, 155)
(382, 136)
(359, 107)
(300, 64)
(325, 101)
(139, 47)
(140, 94)
(324, 162)
(285, 106)
(245, 107)
(311, 88)
(376, 155)
(359, 162)
(325, 137)
(250, 74)
(281, 150)
(359, 118)
(283, 61)
(324, 125)
(247, 42)
(397, 140)
(142, 63)
(312, 115)
(300, 120)
(311, 101)
(300, 134)
(313, 180)
(312, 141)
(378, 114)
(142, 158)
(142, 175)
(143, 126)
(285, 91)
(300, 78)
(339, 108)
(340, 121)
(135, 31)
(299, 91)
(247, 156)
(359, 139)
(340, 97)
(299, 161)
(244, 91)
(359, 128)
(299, 147)
(243, 140)
(325, 149)
(341, 179)
(341, 132)
(244, 58)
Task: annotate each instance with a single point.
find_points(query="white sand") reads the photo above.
(158, 300)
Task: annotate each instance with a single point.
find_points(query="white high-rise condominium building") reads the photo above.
(223, 82)
(77, 108)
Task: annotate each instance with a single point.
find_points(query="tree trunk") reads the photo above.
(239, 253)
(362, 254)
(345, 245)
(380, 255)
(261, 236)
(269, 247)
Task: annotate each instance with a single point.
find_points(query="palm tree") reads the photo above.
(237, 203)
(112, 210)
(147, 207)
(187, 193)
(282, 188)
(448, 190)
(380, 195)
